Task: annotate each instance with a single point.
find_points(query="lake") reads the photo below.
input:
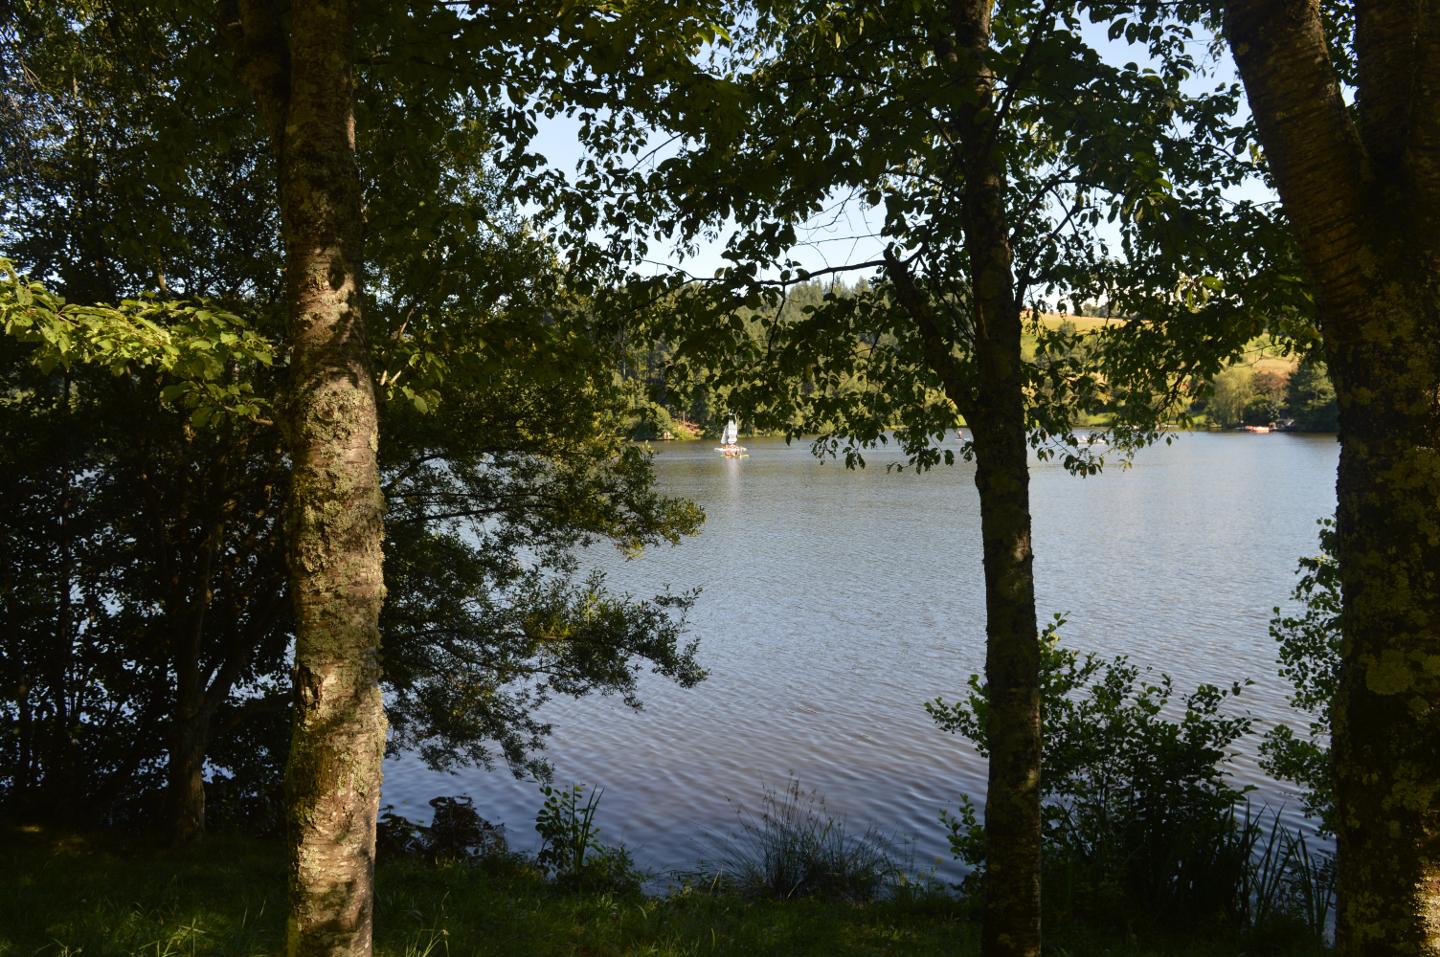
(836, 602)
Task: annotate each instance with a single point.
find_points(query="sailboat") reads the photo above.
(728, 448)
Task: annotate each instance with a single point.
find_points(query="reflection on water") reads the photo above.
(836, 602)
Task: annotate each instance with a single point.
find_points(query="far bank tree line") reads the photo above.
(321, 206)
(673, 400)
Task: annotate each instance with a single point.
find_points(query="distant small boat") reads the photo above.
(1259, 429)
(728, 448)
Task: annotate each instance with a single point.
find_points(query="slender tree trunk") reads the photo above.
(1011, 925)
(11, 649)
(303, 85)
(190, 723)
(993, 403)
(63, 780)
(186, 772)
(1365, 203)
(1012, 665)
(24, 761)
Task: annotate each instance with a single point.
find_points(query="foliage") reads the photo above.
(500, 422)
(1310, 399)
(477, 637)
(827, 114)
(793, 848)
(1302, 400)
(1310, 660)
(488, 615)
(111, 504)
(1267, 405)
(1231, 392)
(205, 353)
(571, 851)
(1136, 805)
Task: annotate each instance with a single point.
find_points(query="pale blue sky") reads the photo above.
(845, 233)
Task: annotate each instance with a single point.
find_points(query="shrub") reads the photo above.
(1137, 811)
(1138, 817)
(456, 833)
(1310, 660)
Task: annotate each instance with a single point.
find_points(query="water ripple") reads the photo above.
(836, 602)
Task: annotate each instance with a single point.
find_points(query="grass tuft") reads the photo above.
(793, 847)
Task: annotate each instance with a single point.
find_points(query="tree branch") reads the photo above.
(933, 342)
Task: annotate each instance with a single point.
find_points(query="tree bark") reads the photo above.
(186, 777)
(304, 89)
(993, 403)
(336, 508)
(1363, 200)
(190, 722)
(1012, 665)
(1011, 926)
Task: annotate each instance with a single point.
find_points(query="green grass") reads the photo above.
(64, 895)
(68, 895)
(101, 896)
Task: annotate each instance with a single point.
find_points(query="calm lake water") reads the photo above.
(836, 602)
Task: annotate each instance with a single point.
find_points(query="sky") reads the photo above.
(846, 232)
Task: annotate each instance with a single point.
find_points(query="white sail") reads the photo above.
(732, 432)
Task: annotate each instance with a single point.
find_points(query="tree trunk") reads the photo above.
(1012, 667)
(1011, 925)
(993, 403)
(186, 776)
(303, 86)
(336, 508)
(1364, 201)
(64, 780)
(191, 720)
(1386, 727)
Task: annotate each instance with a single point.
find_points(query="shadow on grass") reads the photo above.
(62, 895)
(103, 895)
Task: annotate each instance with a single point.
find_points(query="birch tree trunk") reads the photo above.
(1364, 200)
(303, 83)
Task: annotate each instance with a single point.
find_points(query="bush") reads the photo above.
(794, 848)
(1310, 660)
(1139, 820)
(1137, 811)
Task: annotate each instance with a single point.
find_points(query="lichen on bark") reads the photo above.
(300, 69)
(1362, 189)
